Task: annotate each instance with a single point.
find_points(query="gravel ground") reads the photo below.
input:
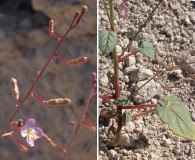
(172, 32)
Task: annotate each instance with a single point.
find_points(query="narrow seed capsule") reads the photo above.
(77, 61)
(58, 101)
(15, 88)
(48, 140)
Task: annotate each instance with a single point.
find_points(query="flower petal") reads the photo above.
(30, 141)
(39, 132)
(30, 123)
(23, 131)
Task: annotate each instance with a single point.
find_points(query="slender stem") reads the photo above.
(39, 99)
(144, 113)
(36, 81)
(106, 97)
(128, 55)
(157, 73)
(141, 27)
(104, 89)
(80, 122)
(108, 15)
(61, 59)
(116, 78)
(111, 5)
(139, 106)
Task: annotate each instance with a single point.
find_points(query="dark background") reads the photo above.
(25, 46)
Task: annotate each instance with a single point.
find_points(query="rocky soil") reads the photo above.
(25, 46)
(172, 32)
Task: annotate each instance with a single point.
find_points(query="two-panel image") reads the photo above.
(97, 80)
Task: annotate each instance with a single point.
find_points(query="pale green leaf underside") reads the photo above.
(173, 111)
(147, 49)
(107, 41)
(126, 117)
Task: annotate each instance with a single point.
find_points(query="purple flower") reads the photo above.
(122, 9)
(31, 132)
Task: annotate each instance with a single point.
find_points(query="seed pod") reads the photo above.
(77, 61)
(48, 140)
(58, 102)
(15, 88)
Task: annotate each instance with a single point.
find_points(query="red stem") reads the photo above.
(106, 97)
(39, 99)
(60, 58)
(81, 120)
(128, 55)
(37, 79)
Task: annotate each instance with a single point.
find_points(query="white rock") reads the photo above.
(192, 17)
(102, 137)
(103, 80)
(130, 61)
(167, 142)
(127, 140)
(129, 127)
(150, 90)
(118, 50)
(112, 154)
(140, 74)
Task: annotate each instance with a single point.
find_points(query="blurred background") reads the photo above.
(25, 46)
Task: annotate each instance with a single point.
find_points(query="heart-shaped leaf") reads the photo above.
(173, 111)
(107, 110)
(123, 100)
(147, 49)
(107, 41)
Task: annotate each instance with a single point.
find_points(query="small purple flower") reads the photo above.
(122, 9)
(31, 132)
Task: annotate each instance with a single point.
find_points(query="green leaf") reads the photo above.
(107, 41)
(147, 49)
(107, 110)
(123, 100)
(119, 113)
(126, 117)
(173, 111)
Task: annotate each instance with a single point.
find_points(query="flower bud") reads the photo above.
(84, 10)
(77, 13)
(94, 78)
(51, 26)
(20, 146)
(77, 61)
(15, 88)
(58, 101)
